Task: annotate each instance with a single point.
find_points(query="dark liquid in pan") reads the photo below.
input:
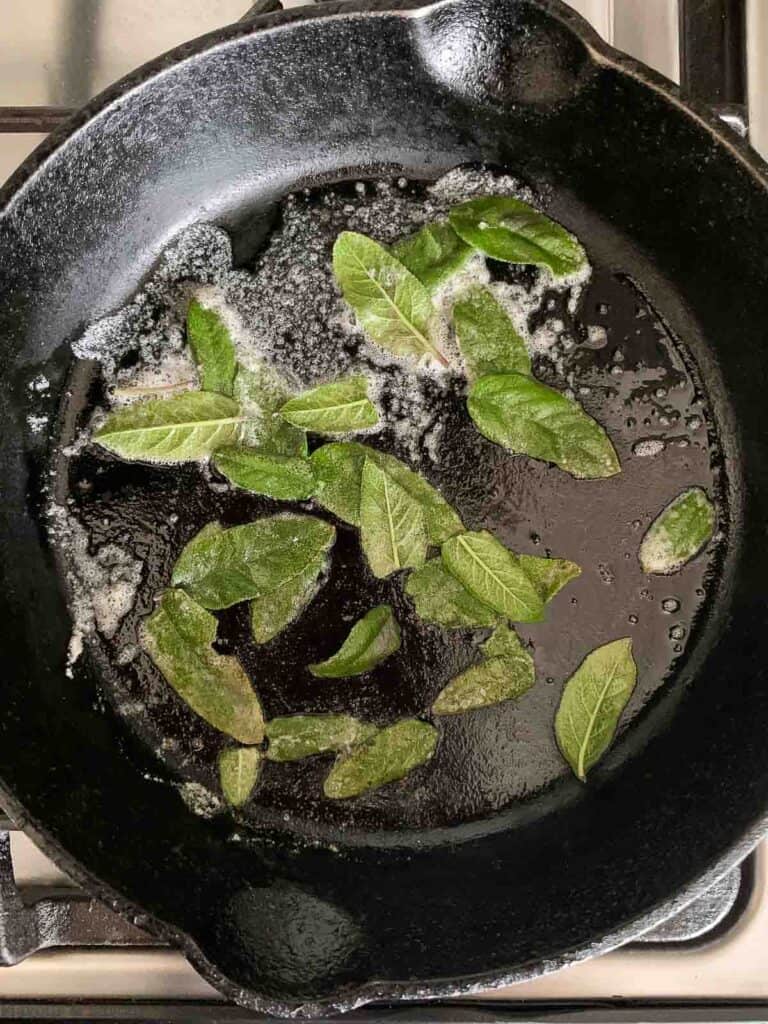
(629, 374)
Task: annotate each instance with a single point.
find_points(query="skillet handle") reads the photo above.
(713, 58)
(713, 55)
(55, 918)
(261, 7)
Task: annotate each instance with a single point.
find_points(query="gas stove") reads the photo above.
(68, 956)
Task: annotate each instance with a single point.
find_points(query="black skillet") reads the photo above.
(218, 130)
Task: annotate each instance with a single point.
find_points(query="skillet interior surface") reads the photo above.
(118, 525)
(658, 199)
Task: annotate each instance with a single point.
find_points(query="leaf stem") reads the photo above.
(439, 356)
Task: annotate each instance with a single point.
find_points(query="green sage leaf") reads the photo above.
(238, 773)
(370, 641)
(433, 254)
(262, 392)
(487, 337)
(482, 685)
(392, 526)
(286, 477)
(505, 643)
(506, 673)
(276, 610)
(493, 575)
(389, 755)
(510, 230)
(678, 533)
(337, 408)
(592, 703)
(219, 569)
(295, 736)
(528, 418)
(491, 682)
(338, 471)
(392, 306)
(179, 429)
(209, 530)
(178, 637)
(212, 348)
(439, 597)
(548, 575)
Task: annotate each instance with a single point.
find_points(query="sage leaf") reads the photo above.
(389, 755)
(295, 736)
(178, 637)
(506, 673)
(592, 703)
(433, 254)
(285, 477)
(505, 643)
(212, 348)
(276, 610)
(392, 306)
(491, 682)
(548, 575)
(238, 773)
(338, 468)
(337, 408)
(678, 533)
(439, 597)
(528, 418)
(219, 569)
(370, 641)
(262, 392)
(510, 230)
(481, 686)
(209, 530)
(392, 527)
(179, 429)
(487, 337)
(441, 518)
(493, 575)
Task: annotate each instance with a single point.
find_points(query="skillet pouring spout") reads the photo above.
(504, 54)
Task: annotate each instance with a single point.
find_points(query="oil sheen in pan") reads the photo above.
(611, 350)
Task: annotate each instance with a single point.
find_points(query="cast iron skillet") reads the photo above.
(218, 130)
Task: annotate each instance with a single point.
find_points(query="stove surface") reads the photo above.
(56, 54)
